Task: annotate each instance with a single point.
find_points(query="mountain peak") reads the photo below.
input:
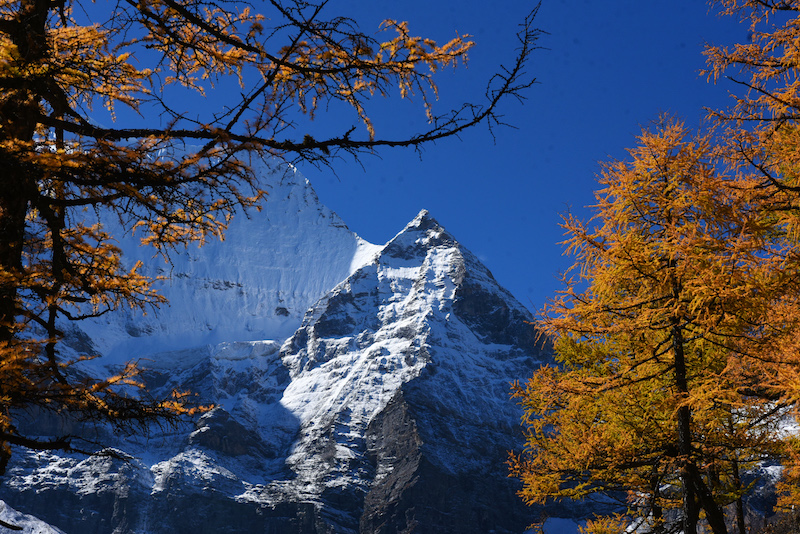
(421, 216)
(419, 236)
(423, 221)
(391, 386)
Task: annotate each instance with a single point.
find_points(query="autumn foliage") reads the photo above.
(676, 337)
(662, 391)
(94, 127)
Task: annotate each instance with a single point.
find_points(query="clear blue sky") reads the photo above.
(609, 68)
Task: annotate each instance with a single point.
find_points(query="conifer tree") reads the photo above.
(763, 148)
(663, 392)
(65, 63)
(678, 342)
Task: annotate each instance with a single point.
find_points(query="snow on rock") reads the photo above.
(382, 327)
(426, 326)
(387, 405)
(28, 523)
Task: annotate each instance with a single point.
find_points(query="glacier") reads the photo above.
(358, 388)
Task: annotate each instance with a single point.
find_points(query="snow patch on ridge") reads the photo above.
(365, 254)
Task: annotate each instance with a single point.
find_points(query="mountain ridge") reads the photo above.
(385, 409)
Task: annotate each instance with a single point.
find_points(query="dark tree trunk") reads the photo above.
(696, 494)
(19, 112)
(20, 108)
(740, 526)
(13, 207)
(655, 508)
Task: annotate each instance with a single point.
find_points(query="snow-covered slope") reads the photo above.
(27, 523)
(424, 309)
(386, 409)
(400, 379)
(256, 284)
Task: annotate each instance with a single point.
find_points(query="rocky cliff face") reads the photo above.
(385, 411)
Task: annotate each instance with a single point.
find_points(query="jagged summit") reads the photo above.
(421, 233)
(386, 409)
(425, 222)
(423, 218)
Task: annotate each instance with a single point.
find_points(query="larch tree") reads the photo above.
(763, 147)
(678, 341)
(664, 391)
(169, 175)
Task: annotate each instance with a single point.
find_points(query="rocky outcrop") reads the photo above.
(413, 494)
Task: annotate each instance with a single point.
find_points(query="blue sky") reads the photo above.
(607, 69)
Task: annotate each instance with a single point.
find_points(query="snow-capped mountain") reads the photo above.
(359, 388)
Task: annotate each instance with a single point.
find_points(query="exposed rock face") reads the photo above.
(386, 411)
(416, 495)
